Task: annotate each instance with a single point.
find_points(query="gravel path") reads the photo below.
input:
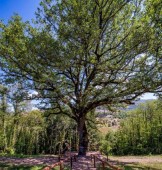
(42, 160)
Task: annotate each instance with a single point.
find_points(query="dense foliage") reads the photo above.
(139, 133)
(27, 131)
(85, 54)
(32, 133)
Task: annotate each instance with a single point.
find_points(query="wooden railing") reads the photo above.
(54, 165)
(104, 162)
(60, 163)
(72, 158)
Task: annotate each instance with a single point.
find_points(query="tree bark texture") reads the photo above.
(83, 137)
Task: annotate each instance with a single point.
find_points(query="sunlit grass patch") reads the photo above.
(21, 167)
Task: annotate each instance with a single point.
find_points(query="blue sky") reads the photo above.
(148, 96)
(25, 8)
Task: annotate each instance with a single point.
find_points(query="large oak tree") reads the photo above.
(84, 54)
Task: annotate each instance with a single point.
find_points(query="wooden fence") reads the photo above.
(104, 163)
(71, 158)
(60, 163)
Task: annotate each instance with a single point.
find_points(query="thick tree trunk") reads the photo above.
(83, 137)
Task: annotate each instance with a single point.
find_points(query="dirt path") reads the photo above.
(42, 160)
(85, 163)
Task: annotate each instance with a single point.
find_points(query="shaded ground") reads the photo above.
(81, 163)
(86, 163)
(32, 161)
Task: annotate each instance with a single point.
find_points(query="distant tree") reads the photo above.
(16, 98)
(3, 112)
(3, 98)
(84, 54)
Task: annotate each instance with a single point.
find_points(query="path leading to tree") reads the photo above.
(87, 162)
(83, 163)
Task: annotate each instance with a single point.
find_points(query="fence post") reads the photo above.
(75, 158)
(103, 165)
(94, 161)
(61, 166)
(59, 158)
(107, 156)
(71, 162)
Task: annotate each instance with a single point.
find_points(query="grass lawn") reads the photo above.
(136, 167)
(138, 162)
(12, 167)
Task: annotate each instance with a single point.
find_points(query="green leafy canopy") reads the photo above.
(83, 54)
